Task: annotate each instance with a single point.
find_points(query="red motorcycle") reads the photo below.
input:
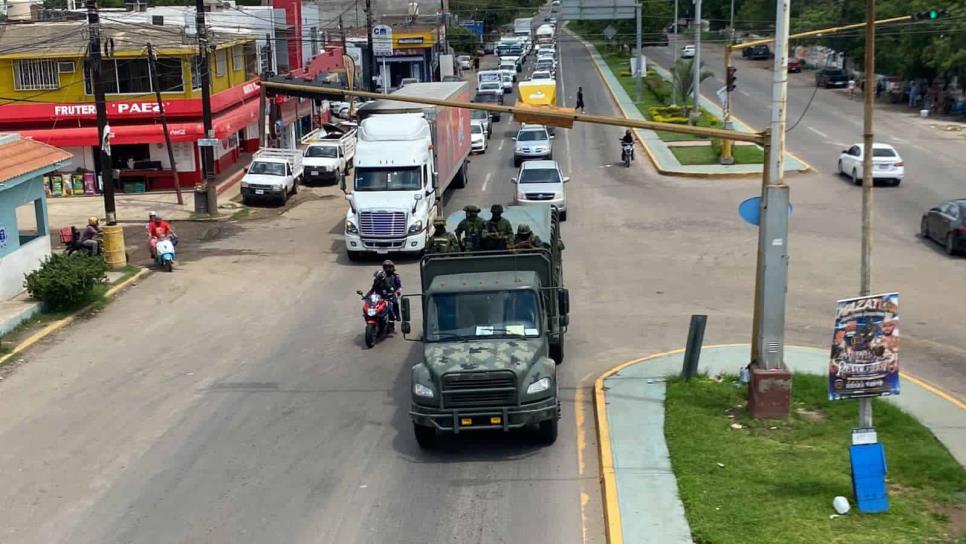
(378, 315)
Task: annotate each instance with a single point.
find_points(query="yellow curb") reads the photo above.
(61, 323)
(612, 514)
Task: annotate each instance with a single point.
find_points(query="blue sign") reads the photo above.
(750, 210)
(868, 478)
(476, 27)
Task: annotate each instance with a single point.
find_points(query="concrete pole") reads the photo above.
(638, 82)
(868, 94)
(697, 59)
(774, 240)
(674, 46)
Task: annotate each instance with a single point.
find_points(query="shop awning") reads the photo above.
(224, 124)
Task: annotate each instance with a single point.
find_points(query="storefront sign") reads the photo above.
(382, 40)
(864, 360)
(409, 41)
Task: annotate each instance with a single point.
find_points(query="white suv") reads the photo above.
(541, 182)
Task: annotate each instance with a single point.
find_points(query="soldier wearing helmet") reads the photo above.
(525, 238)
(442, 241)
(388, 284)
(89, 238)
(498, 232)
(470, 230)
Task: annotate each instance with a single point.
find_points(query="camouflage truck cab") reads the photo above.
(493, 329)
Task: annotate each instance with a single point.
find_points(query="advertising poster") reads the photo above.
(864, 361)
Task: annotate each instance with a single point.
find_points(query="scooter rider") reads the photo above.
(88, 238)
(388, 284)
(157, 229)
(629, 140)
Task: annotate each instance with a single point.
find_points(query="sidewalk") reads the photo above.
(134, 207)
(634, 457)
(664, 160)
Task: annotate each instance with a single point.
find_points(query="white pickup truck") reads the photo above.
(329, 152)
(274, 174)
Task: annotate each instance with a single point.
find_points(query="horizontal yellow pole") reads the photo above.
(832, 30)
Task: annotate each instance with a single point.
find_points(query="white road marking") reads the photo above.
(485, 181)
(744, 92)
(817, 131)
(500, 147)
(900, 140)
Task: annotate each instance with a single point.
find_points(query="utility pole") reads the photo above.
(696, 111)
(207, 152)
(868, 94)
(726, 156)
(638, 72)
(155, 82)
(371, 83)
(770, 387)
(674, 46)
(104, 169)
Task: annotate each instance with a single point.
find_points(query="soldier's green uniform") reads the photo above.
(470, 230)
(525, 239)
(498, 233)
(442, 241)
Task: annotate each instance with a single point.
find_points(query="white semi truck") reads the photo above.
(407, 155)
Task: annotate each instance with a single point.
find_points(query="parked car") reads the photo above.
(831, 77)
(887, 165)
(688, 51)
(794, 66)
(541, 182)
(757, 52)
(946, 224)
(483, 117)
(532, 142)
(466, 63)
(477, 137)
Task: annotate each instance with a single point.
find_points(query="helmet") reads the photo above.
(93, 221)
(152, 214)
(471, 209)
(496, 208)
(627, 132)
(524, 228)
(388, 262)
(439, 221)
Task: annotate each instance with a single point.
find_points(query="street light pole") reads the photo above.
(868, 94)
(638, 72)
(207, 151)
(674, 46)
(696, 111)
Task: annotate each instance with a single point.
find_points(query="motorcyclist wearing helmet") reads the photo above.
(89, 238)
(628, 139)
(158, 229)
(388, 284)
(497, 232)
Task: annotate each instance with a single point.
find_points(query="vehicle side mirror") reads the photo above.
(405, 311)
(513, 180)
(563, 299)
(359, 292)
(566, 179)
(845, 151)
(418, 196)
(551, 136)
(514, 138)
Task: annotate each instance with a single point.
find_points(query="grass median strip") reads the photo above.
(773, 481)
(743, 154)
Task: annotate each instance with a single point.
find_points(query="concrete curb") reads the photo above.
(609, 484)
(61, 323)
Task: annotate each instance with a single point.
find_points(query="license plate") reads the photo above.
(883, 167)
(382, 251)
(259, 191)
(315, 172)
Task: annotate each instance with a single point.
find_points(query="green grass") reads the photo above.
(707, 155)
(777, 484)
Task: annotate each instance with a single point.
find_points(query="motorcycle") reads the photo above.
(627, 153)
(70, 236)
(164, 254)
(378, 315)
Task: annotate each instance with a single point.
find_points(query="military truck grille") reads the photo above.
(383, 224)
(539, 196)
(475, 389)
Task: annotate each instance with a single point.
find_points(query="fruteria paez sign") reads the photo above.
(864, 360)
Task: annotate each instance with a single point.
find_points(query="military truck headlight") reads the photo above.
(350, 227)
(539, 386)
(416, 227)
(421, 390)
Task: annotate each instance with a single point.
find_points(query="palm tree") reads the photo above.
(682, 77)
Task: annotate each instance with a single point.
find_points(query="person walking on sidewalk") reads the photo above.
(580, 100)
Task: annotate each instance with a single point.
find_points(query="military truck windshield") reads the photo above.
(267, 168)
(388, 179)
(322, 151)
(482, 315)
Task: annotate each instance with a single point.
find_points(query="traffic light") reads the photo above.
(930, 15)
(730, 80)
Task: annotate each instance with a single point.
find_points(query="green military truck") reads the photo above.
(493, 333)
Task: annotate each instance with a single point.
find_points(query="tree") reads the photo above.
(462, 40)
(682, 77)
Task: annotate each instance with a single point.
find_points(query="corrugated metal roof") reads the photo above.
(23, 156)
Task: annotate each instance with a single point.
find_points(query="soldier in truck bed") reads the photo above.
(470, 230)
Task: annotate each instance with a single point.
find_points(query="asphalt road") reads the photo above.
(233, 400)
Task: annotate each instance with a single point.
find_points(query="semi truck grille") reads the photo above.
(539, 196)
(474, 389)
(382, 224)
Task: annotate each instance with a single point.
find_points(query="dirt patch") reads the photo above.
(957, 519)
(814, 416)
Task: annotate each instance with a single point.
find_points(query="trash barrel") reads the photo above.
(114, 253)
(201, 201)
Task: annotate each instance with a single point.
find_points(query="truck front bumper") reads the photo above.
(411, 243)
(315, 175)
(457, 420)
(263, 192)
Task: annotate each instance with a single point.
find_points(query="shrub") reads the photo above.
(665, 111)
(66, 281)
(658, 86)
(677, 120)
